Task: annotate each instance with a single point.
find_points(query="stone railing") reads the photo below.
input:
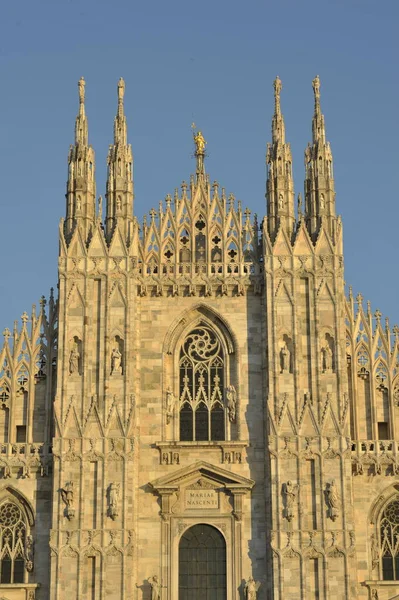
(23, 459)
(375, 457)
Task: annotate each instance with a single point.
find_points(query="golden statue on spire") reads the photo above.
(200, 143)
(81, 87)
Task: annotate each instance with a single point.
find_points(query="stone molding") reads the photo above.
(172, 453)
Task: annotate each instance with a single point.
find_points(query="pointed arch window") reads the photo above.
(389, 541)
(12, 543)
(201, 379)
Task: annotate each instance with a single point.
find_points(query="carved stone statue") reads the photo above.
(332, 499)
(327, 358)
(67, 496)
(155, 588)
(316, 87)
(74, 359)
(29, 553)
(114, 489)
(170, 405)
(121, 90)
(81, 87)
(375, 555)
(285, 355)
(277, 88)
(231, 398)
(251, 589)
(290, 491)
(116, 361)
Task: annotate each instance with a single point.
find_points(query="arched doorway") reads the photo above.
(202, 564)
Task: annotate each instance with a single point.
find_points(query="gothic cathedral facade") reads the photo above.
(201, 412)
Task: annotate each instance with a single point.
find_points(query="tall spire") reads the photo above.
(81, 187)
(120, 174)
(280, 185)
(278, 127)
(81, 126)
(318, 127)
(319, 182)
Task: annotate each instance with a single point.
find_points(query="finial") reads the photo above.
(277, 91)
(81, 87)
(6, 334)
(316, 90)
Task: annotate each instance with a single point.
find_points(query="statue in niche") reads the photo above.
(332, 499)
(113, 492)
(285, 356)
(118, 203)
(375, 555)
(67, 496)
(170, 405)
(155, 588)
(29, 553)
(281, 201)
(322, 202)
(290, 491)
(231, 398)
(116, 361)
(327, 359)
(74, 357)
(251, 589)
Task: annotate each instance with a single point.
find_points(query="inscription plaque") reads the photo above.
(205, 498)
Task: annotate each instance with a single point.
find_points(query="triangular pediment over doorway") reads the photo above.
(203, 471)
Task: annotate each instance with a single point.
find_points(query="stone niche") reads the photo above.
(201, 493)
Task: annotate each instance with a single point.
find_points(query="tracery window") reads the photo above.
(389, 541)
(12, 543)
(201, 363)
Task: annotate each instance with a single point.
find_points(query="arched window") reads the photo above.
(12, 543)
(389, 541)
(202, 414)
(202, 564)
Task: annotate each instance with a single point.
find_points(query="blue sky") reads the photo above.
(212, 62)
